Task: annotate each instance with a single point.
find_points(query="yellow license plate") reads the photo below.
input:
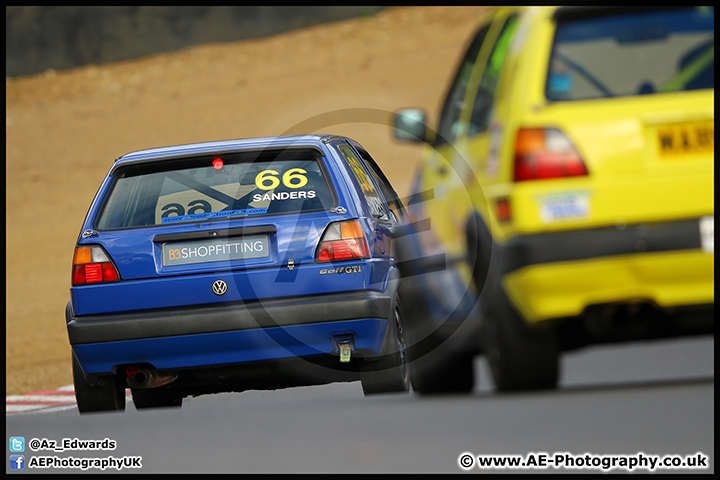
(678, 140)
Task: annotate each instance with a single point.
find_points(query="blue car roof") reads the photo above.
(225, 146)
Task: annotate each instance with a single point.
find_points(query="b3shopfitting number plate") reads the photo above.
(215, 250)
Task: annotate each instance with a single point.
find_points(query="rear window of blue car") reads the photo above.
(215, 187)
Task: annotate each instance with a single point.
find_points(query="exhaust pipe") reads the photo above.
(148, 377)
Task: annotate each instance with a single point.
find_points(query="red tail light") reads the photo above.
(92, 265)
(545, 153)
(343, 241)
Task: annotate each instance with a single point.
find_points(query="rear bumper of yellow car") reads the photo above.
(557, 275)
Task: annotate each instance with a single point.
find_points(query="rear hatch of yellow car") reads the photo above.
(626, 133)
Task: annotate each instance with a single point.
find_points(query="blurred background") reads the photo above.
(40, 38)
(85, 85)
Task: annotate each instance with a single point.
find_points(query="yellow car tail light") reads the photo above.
(546, 153)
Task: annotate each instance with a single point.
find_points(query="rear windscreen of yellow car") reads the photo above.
(215, 187)
(606, 53)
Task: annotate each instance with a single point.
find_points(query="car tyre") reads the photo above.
(443, 374)
(390, 373)
(107, 397)
(519, 358)
(159, 397)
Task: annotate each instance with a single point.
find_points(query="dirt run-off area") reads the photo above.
(64, 129)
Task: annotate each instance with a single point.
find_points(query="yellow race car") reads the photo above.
(570, 184)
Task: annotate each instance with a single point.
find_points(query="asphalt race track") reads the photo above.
(652, 398)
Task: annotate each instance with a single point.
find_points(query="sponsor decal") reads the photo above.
(211, 215)
(564, 206)
(375, 203)
(215, 250)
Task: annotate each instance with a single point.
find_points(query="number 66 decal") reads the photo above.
(293, 178)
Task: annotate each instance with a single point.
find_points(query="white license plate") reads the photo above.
(707, 234)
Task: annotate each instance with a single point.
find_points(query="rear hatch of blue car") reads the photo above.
(221, 226)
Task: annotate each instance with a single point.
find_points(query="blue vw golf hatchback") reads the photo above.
(244, 264)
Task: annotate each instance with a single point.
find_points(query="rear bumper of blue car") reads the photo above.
(230, 333)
